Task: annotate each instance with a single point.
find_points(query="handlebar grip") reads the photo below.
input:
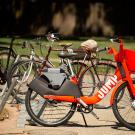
(102, 49)
(117, 40)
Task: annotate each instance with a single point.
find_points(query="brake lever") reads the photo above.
(117, 40)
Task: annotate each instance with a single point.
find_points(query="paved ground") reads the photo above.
(106, 125)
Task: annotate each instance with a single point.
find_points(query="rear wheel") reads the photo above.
(89, 83)
(48, 112)
(78, 67)
(104, 71)
(124, 106)
(85, 76)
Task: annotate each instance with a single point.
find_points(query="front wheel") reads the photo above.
(24, 71)
(48, 112)
(124, 106)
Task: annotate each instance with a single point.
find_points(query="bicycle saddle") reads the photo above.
(89, 45)
(65, 45)
(66, 55)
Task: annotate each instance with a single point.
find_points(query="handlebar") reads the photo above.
(117, 40)
(102, 49)
(53, 36)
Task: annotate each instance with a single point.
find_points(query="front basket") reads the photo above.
(130, 59)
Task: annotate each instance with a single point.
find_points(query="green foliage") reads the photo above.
(17, 46)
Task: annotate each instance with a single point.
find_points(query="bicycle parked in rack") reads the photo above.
(5, 59)
(102, 69)
(22, 73)
(7, 56)
(29, 68)
(22, 70)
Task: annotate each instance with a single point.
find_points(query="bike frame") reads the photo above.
(10, 50)
(113, 83)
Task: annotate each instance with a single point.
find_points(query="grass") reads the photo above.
(102, 42)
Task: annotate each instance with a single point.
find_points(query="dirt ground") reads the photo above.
(107, 124)
(8, 125)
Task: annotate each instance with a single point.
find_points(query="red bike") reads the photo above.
(57, 106)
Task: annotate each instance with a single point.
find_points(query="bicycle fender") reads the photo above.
(114, 91)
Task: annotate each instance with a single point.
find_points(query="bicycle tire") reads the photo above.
(79, 68)
(56, 113)
(105, 71)
(96, 85)
(17, 71)
(3, 65)
(122, 103)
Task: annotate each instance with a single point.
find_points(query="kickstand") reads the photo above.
(95, 115)
(84, 119)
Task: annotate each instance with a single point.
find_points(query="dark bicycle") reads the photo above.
(7, 56)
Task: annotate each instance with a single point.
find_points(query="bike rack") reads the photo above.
(7, 94)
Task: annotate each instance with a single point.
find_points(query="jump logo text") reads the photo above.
(107, 87)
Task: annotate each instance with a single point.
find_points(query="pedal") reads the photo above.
(78, 108)
(95, 115)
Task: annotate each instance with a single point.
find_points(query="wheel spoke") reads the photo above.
(48, 112)
(122, 107)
